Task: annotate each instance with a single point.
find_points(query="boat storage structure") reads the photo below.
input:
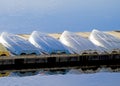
(17, 45)
(109, 43)
(47, 43)
(78, 44)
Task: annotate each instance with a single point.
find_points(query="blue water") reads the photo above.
(73, 77)
(95, 79)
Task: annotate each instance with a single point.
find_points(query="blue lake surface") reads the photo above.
(70, 79)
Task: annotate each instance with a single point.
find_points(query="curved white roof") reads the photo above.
(17, 45)
(77, 43)
(105, 40)
(47, 43)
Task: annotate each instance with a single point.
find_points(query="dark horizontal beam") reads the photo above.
(58, 61)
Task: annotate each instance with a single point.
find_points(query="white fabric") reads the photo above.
(77, 43)
(46, 43)
(104, 40)
(16, 44)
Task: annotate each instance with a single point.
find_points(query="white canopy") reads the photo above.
(77, 43)
(47, 43)
(104, 40)
(17, 45)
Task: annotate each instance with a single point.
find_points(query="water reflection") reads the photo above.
(57, 71)
(4, 74)
(24, 73)
(54, 72)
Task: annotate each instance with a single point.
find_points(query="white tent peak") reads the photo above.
(17, 45)
(40, 33)
(47, 43)
(77, 43)
(71, 34)
(105, 40)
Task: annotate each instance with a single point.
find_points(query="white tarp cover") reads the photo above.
(107, 41)
(47, 43)
(17, 45)
(77, 43)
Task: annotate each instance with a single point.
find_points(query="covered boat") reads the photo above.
(109, 43)
(47, 43)
(78, 44)
(17, 45)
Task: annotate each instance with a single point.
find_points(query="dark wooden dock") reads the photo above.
(58, 61)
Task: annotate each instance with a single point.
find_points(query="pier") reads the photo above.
(49, 62)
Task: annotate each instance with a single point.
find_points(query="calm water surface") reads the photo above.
(71, 78)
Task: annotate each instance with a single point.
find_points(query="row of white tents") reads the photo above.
(97, 43)
(69, 43)
(37, 44)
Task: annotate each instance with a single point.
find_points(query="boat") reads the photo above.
(17, 45)
(107, 42)
(78, 44)
(47, 43)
